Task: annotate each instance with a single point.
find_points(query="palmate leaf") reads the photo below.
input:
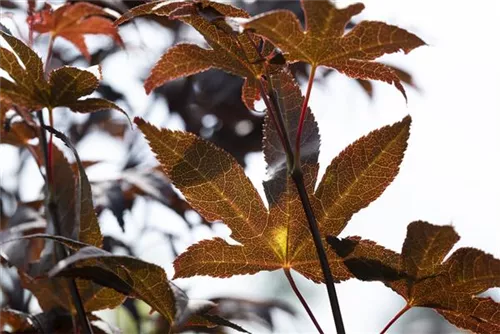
(216, 186)
(423, 279)
(29, 88)
(230, 51)
(323, 43)
(73, 21)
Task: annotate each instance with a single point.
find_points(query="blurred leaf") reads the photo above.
(323, 42)
(17, 321)
(55, 322)
(17, 134)
(250, 310)
(73, 21)
(24, 221)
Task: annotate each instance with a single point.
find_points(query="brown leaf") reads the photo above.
(359, 175)
(424, 280)
(323, 42)
(216, 186)
(17, 134)
(230, 51)
(16, 320)
(125, 274)
(73, 21)
(30, 89)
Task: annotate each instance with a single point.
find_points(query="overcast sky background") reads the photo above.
(450, 174)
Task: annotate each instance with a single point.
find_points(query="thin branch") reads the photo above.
(52, 213)
(303, 113)
(295, 289)
(396, 317)
(298, 179)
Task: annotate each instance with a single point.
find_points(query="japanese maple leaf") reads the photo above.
(323, 42)
(423, 279)
(229, 51)
(73, 21)
(29, 88)
(216, 186)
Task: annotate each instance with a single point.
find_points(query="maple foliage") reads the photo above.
(73, 21)
(64, 261)
(323, 42)
(64, 88)
(216, 186)
(424, 279)
(230, 51)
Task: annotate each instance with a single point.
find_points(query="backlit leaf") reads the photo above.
(359, 175)
(422, 277)
(323, 42)
(29, 88)
(215, 185)
(73, 21)
(230, 51)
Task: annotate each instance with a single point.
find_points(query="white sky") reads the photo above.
(449, 174)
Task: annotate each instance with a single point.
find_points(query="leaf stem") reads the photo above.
(396, 317)
(52, 214)
(270, 109)
(298, 179)
(294, 168)
(50, 175)
(51, 117)
(295, 289)
(303, 114)
(49, 52)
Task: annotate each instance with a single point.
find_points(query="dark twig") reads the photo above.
(298, 179)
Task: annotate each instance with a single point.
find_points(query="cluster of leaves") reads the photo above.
(63, 261)
(101, 278)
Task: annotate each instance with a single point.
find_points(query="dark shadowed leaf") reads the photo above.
(125, 274)
(424, 279)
